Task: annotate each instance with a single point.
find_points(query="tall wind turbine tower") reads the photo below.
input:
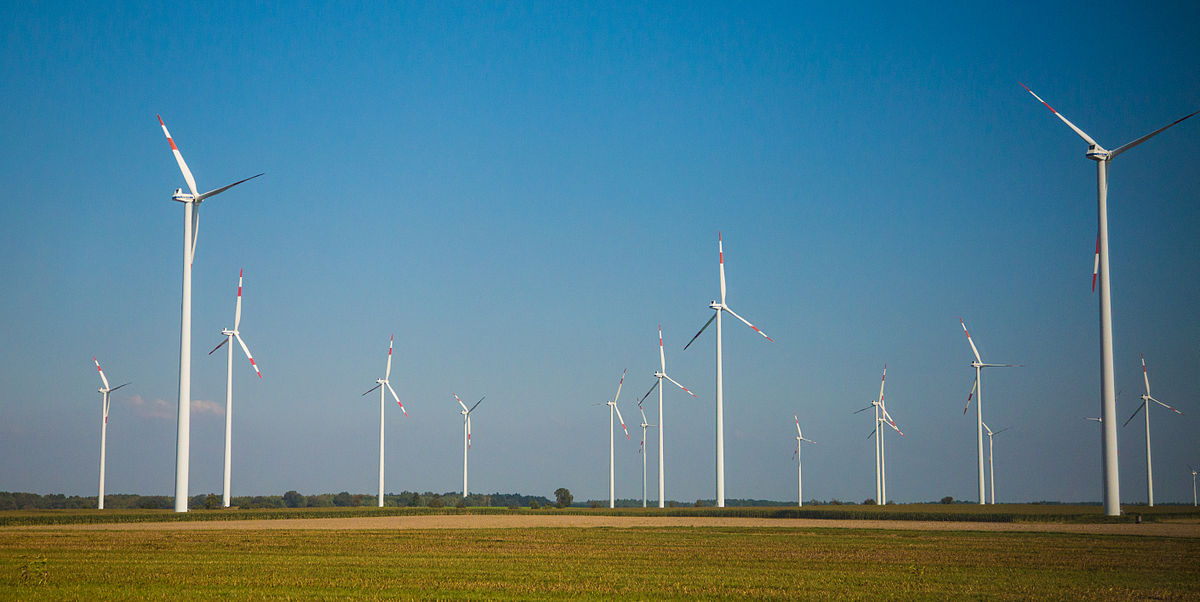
(191, 224)
(1146, 399)
(231, 335)
(642, 451)
(466, 414)
(799, 461)
(104, 391)
(991, 466)
(1108, 407)
(382, 384)
(977, 391)
(660, 375)
(719, 307)
(612, 407)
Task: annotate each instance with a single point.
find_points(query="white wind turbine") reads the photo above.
(977, 391)
(1108, 407)
(1146, 399)
(718, 308)
(642, 451)
(466, 413)
(1193, 484)
(659, 376)
(229, 336)
(104, 391)
(382, 384)
(612, 407)
(191, 225)
(991, 467)
(799, 462)
(881, 417)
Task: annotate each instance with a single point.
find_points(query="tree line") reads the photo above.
(292, 499)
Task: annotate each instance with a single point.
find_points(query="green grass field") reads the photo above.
(938, 512)
(640, 563)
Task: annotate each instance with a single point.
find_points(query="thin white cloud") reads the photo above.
(159, 409)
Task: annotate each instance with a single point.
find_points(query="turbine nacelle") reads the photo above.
(227, 332)
(1095, 152)
(716, 305)
(181, 196)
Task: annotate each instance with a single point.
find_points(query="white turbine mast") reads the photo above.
(881, 418)
(612, 407)
(799, 462)
(1193, 484)
(104, 390)
(642, 451)
(1108, 403)
(466, 414)
(191, 225)
(718, 308)
(230, 335)
(382, 384)
(659, 376)
(1145, 405)
(991, 467)
(977, 392)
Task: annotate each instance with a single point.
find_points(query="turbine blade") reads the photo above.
(468, 430)
(643, 421)
(224, 188)
(1145, 375)
(187, 173)
(388, 373)
(372, 389)
(662, 356)
(985, 427)
(248, 356)
(475, 406)
(974, 386)
(1151, 399)
(237, 312)
(614, 406)
(103, 379)
(865, 409)
(721, 259)
(1096, 263)
(195, 231)
(679, 385)
(1125, 147)
(1001, 431)
(747, 323)
(122, 385)
(710, 321)
(396, 397)
(882, 382)
(656, 381)
(872, 433)
(1135, 412)
(797, 424)
(460, 402)
(973, 349)
(1086, 138)
(619, 385)
(892, 423)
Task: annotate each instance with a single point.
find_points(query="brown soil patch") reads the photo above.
(525, 521)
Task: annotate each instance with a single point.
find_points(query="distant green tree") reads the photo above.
(948, 499)
(563, 497)
(461, 503)
(293, 499)
(534, 505)
(343, 499)
(436, 501)
(212, 502)
(869, 502)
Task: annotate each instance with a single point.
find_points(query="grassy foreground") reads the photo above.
(706, 562)
(1005, 513)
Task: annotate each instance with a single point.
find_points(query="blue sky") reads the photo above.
(522, 192)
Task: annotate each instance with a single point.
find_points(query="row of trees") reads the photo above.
(292, 499)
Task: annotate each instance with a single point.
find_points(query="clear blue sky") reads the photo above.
(522, 192)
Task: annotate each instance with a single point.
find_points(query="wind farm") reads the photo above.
(520, 192)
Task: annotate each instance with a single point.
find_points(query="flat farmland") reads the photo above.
(617, 557)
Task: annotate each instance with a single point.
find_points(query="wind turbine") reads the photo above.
(719, 307)
(104, 391)
(1146, 399)
(466, 413)
(381, 384)
(977, 391)
(191, 225)
(229, 336)
(642, 451)
(1108, 408)
(660, 375)
(612, 407)
(881, 417)
(799, 463)
(1193, 484)
(991, 467)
